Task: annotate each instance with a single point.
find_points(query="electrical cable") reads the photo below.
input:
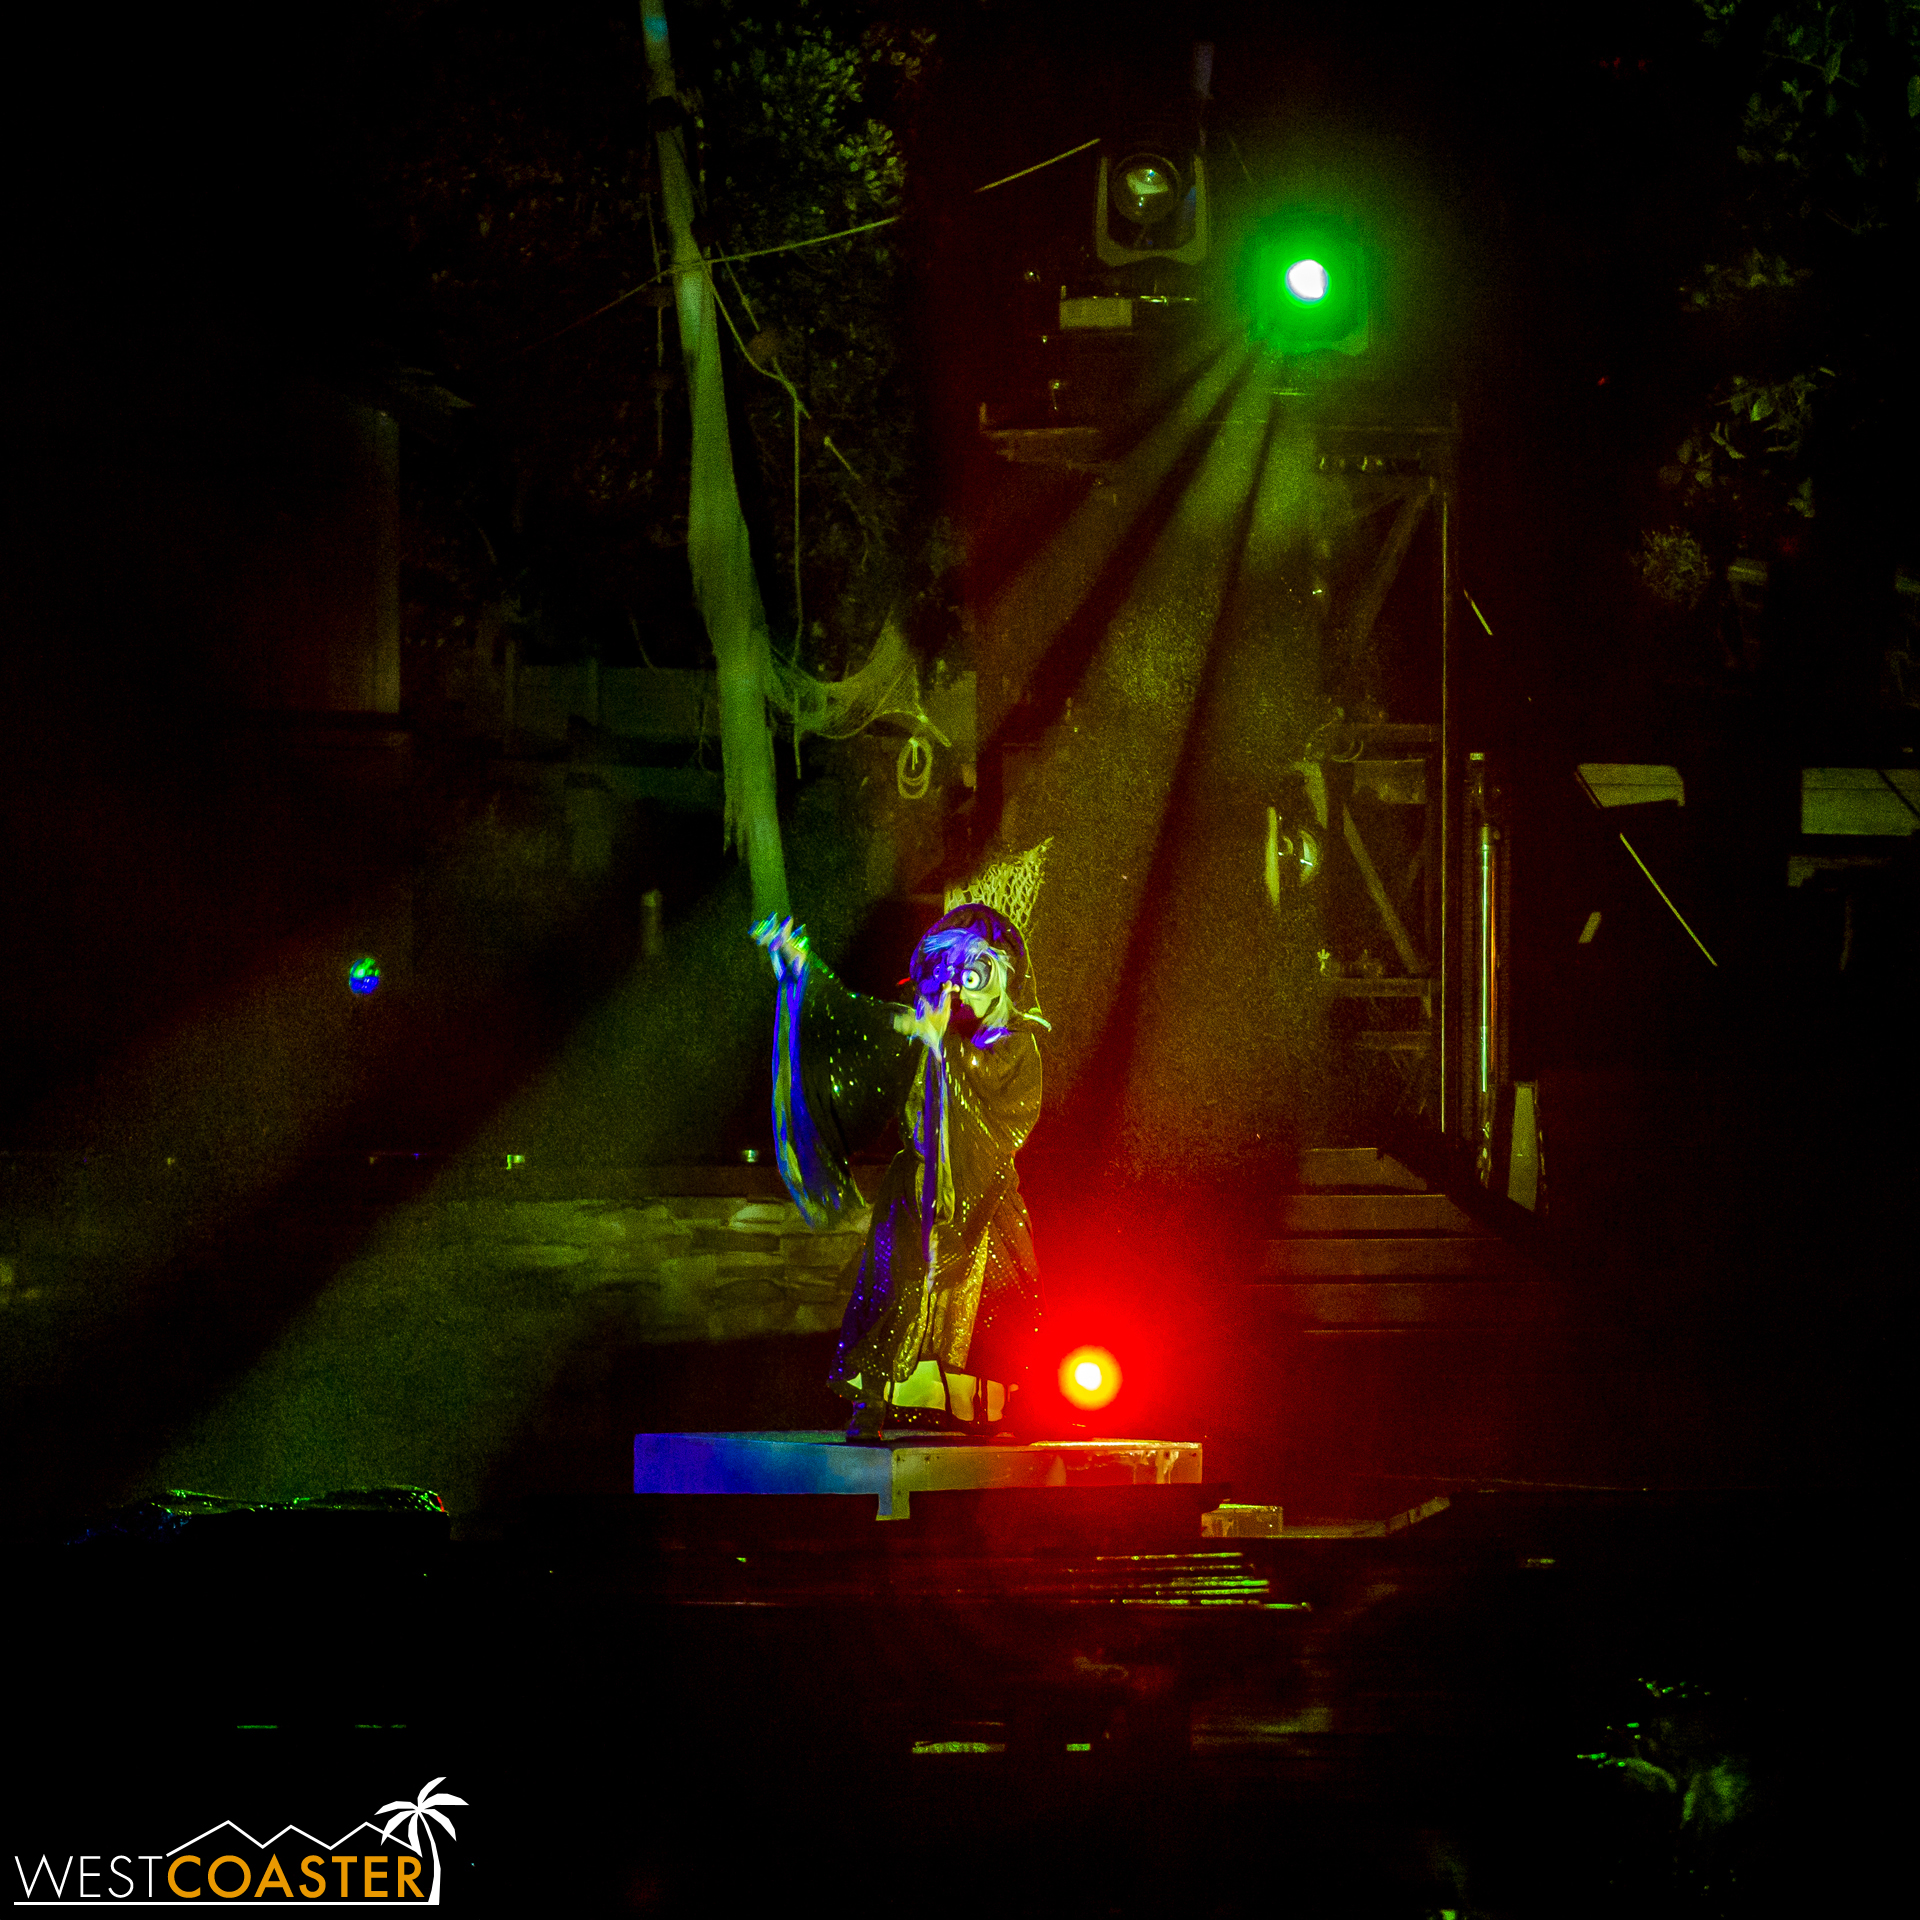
(1008, 179)
(1671, 908)
(1893, 788)
(1600, 806)
(786, 246)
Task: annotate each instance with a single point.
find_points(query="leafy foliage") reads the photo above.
(1678, 1776)
(1826, 145)
(1721, 286)
(1766, 420)
(788, 107)
(517, 194)
(1835, 81)
(1675, 567)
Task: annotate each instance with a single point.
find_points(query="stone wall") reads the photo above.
(487, 1331)
(676, 1254)
(673, 1267)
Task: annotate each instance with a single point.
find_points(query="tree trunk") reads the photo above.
(724, 588)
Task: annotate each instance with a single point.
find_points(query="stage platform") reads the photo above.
(893, 1471)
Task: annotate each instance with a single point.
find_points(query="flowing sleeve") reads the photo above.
(840, 1073)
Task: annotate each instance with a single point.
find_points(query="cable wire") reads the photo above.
(786, 246)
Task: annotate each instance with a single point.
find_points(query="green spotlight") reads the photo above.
(1303, 282)
(1307, 280)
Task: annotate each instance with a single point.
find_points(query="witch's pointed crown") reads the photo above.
(1009, 886)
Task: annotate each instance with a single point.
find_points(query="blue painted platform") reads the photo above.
(894, 1471)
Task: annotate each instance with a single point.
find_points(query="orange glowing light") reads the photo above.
(1090, 1377)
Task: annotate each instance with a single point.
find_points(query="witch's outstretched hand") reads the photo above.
(928, 1021)
(786, 945)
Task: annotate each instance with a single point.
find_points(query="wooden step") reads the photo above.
(1422, 1256)
(1320, 1167)
(1378, 1304)
(1361, 1213)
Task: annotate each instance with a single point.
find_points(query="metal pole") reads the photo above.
(1485, 1037)
(1483, 1089)
(1445, 863)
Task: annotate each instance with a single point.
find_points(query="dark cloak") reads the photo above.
(949, 1203)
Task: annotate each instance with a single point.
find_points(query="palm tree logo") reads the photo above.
(420, 1812)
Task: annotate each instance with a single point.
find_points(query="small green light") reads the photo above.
(1079, 1746)
(1307, 280)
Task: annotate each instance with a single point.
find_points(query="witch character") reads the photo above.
(945, 1305)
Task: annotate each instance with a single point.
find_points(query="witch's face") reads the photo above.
(983, 981)
(976, 970)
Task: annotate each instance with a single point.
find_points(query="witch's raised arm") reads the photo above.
(786, 945)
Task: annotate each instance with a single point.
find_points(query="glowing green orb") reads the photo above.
(364, 975)
(1307, 280)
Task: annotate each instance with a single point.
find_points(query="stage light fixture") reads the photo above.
(1303, 281)
(1151, 205)
(1090, 1377)
(363, 977)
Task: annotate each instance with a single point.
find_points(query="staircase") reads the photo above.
(1363, 1242)
(1391, 1334)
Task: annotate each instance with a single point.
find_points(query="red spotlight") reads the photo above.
(1089, 1377)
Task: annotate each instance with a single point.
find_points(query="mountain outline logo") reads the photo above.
(186, 1872)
